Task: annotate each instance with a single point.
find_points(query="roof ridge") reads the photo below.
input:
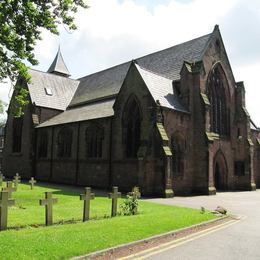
(150, 71)
(152, 53)
(109, 68)
(175, 45)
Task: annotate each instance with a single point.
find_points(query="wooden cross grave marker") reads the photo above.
(2, 177)
(32, 181)
(48, 203)
(87, 196)
(114, 196)
(9, 188)
(5, 202)
(16, 180)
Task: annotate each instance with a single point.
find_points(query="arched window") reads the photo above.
(131, 128)
(64, 142)
(218, 100)
(177, 144)
(43, 144)
(94, 141)
(17, 134)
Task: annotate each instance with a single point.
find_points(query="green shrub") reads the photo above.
(129, 205)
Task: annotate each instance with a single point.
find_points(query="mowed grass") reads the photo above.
(63, 241)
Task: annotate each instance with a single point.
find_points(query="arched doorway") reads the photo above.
(220, 172)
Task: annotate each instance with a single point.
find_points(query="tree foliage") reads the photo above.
(21, 24)
(2, 109)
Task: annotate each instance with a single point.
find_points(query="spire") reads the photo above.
(58, 66)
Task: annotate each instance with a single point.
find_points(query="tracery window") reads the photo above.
(43, 144)
(17, 134)
(94, 141)
(64, 142)
(177, 145)
(218, 100)
(131, 128)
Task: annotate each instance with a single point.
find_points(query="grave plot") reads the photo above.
(70, 235)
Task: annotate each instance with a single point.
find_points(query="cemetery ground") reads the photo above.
(27, 237)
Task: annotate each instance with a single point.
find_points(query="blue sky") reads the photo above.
(115, 31)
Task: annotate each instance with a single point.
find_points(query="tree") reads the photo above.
(2, 109)
(21, 23)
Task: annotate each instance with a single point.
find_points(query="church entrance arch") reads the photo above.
(220, 172)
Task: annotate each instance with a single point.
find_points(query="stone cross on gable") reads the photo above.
(87, 196)
(4, 204)
(114, 196)
(32, 181)
(9, 188)
(2, 177)
(48, 203)
(17, 180)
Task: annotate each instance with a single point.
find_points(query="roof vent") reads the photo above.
(48, 91)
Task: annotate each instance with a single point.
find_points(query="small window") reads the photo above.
(48, 91)
(239, 168)
(43, 145)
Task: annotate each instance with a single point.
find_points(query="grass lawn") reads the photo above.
(62, 241)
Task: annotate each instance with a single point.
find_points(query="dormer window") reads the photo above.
(48, 91)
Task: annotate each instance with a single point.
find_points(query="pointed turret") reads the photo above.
(58, 66)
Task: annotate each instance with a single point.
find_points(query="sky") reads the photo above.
(114, 31)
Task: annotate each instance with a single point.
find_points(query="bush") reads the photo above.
(130, 204)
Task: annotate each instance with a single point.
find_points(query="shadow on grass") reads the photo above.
(69, 190)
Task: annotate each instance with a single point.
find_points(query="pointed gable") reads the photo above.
(50, 90)
(58, 66)
(161, 89)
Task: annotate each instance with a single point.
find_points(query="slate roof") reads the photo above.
(95, 110)
(62, 89)
(167, 63)
(58, 65)
(161, 89)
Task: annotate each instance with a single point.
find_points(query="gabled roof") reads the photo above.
(167, 63)
(161, 89)
(95, 110)
(58, 66)
(50, 90)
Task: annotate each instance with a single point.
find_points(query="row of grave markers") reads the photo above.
(7, 201)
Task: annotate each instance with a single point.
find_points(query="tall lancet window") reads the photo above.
(94, 141)
(217, 92)
(17, 134)
(43, 144)
(131, 128)
(177, 145)
(64, 142)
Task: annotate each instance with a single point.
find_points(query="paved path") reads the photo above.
(240, 241)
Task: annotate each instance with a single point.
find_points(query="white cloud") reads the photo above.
(249, 74)
(5, 91)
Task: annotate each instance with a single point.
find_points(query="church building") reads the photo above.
(171, 122)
